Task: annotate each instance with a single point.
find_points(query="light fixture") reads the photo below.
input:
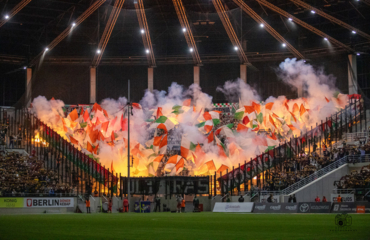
(325, 39)
(358, 54)
(142, 31)
(304, 61)
(46, 49)
(98, 51)
(284, 45)
(6, 16)
(236, 48)
(290, 19)
(354, 32)
(191, 49)
(262, 25)
(147, 51)
(73, 24)
(24, 67)
(312, 11)
(184, 30)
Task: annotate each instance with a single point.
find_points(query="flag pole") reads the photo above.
(128, 146)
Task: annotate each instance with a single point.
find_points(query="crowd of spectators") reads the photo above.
(25, 175)
(357, 179)
(300, 167)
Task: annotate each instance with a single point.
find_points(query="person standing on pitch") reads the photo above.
(317, 199)
(196, 204)
(157, 204)
(241, 199)
(179, 200)
(183, 205)
(125, 205)
(110, 204)
(87, 202)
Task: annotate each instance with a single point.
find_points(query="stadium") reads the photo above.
(204, 119)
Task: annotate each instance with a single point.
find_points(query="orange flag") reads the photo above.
(269, 105)
(211, 166)
(159, 112)
(112, 137)
(210, 137)
(96, 107)
(186, 102)
(104, 126)
(222, 168)
(249, 109)
(89, 147)
(302, 110)
(73, 141)
(163, 142)
(207, 116)
(136, 105)
(256, 107)
(295, 108)
(73, 115)
(272, 121)
(96, 149)
(86, 115)
(241, 128)
(295, 120)
(105, 113)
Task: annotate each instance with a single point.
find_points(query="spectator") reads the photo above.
(324, 199)
(290, 200)
(317, 199)
(241, 199)
(179, 200)
(228, 199)
(87, 201)
(96, 193)
(125, 205)
(294, 199)
(270, 198)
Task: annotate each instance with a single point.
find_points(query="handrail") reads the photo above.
(344, 191)
(92, 198)
(314, 176)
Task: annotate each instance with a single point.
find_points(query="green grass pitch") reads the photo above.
(187, 226)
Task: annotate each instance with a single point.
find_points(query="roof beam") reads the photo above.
(230, 30)
(303, 24)
(331, 18)
(181, 14)
(65, 33)
(14, 11)
(107, 31)
(269, 29)
(140, 11)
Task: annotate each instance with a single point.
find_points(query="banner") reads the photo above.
(275, 198)
(275, 207)
(166, 185)
(11, 202)
(351, 207)
(314, 207)
(48, 202)
(345, 197)
(233, 207)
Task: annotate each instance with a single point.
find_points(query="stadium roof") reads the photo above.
(26, 34)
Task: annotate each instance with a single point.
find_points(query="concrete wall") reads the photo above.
(320, 187)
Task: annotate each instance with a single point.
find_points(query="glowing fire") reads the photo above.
(38, 140)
